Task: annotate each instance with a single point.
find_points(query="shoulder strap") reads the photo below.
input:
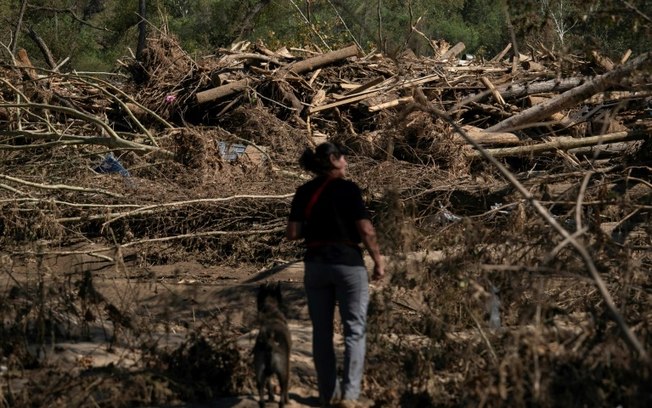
(315, 196)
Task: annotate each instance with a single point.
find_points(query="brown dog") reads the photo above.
(273, 344)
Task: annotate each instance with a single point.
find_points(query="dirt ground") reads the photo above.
(183, 297)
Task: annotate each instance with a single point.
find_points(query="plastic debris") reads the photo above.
(446, 216)
(231, 151)
(111, 165)
(494, 309)
(496, 206)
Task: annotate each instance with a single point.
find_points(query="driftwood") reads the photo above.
(223, 91)
(514, 91)
(318, 61)
(375, 91)
(486, 138)
(490, 86)
(299, 67)
(453, 51)
(564, 143)
(572, 97)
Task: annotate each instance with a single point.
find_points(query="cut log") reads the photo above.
(606, 63)
(319, 61)
(572, 97)
(564, 143)
(454, 51)
(222, 91)
(390, 104)
(486, 138)
(502, 54)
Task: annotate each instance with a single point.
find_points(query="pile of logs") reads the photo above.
(514, 104)
(396, 110)
(542, 103)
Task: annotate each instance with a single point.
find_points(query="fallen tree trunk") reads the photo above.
(319, 61)
(572, 97)
(514, 91)
(564, 143)
(222, 91)
(453, 51)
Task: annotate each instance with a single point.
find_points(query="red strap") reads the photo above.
(315, 196)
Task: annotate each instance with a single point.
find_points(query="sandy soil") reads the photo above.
(185, 295)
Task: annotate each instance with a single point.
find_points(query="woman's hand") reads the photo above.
(379, 271)
(368, 234)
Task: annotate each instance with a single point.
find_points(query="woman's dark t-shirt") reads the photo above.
(330, 231)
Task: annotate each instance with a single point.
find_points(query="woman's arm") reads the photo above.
(293, 231)
(368, 235)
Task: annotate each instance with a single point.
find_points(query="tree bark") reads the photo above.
(247, 24)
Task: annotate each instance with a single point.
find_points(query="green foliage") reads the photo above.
(93, 33)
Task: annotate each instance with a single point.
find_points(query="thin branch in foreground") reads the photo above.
(157, 207)
(59, 186)
(93, 253)
(202, 235)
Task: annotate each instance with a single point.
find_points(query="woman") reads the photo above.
(329, 214)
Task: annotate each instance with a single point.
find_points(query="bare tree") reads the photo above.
(559, 14)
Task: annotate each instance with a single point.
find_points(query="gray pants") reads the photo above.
(349, 286)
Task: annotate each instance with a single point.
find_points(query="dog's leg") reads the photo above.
(261, 394)
(270, 389)
(283, 379)
(261, 382)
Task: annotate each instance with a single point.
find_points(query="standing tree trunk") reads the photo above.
(142, 31)
(19, 23)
